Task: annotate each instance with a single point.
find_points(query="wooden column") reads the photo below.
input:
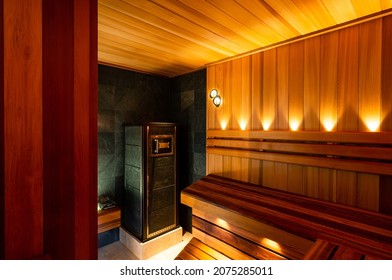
(21, 130)
(70, 128)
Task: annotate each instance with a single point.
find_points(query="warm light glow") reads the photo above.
(222, 223)
(271, 244)
(329, 124)
(372, 124)
(294, 124)
(243, 124)
(213, 93)
(217, 101)
(266, 124)
(223, 124)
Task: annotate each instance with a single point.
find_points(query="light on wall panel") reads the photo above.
(328, 124)
(372, 124)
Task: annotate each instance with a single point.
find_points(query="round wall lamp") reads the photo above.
(216, 99)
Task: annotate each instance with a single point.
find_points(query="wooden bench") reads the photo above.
(237, 220)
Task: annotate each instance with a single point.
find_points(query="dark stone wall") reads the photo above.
(189, 109)
(124, 97)
(127, 97)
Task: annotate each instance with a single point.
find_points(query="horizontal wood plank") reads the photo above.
(365, 232)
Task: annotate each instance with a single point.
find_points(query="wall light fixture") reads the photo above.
(216, 99)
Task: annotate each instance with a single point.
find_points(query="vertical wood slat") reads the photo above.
(346, 190)
(236, 96)
(368, 186)
(329, 80)
(226, 121)
(385, 194)
(296, 85)
(295, 179)
(386, 81)
(211, 84)
(245, 118)
(269, 90)
(21, 175)
(370, 75)
(348, 79)
(312, 84)
(257, 91)
(282, 114)
(219, 85)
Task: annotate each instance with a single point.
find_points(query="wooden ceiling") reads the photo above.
(173, 37)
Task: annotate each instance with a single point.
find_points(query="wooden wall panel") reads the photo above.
(282, 114)
(211, 84)
(220, 86)
(269, 90)
(326, 184)
(368, 191)
(348, 79)
(269, 174)
(386, 80)
(295, 179)
(311, 181)
(329, 81)
(256, 172)
(296, 86)
(70, 128)
(236, 97)
(370, 75)
(346, 191)
(245, 118)
(311, 93)
(21, 176)
(226, 117)
(257, 91)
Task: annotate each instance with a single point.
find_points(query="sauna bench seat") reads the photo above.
(237, 220)
(109, 219)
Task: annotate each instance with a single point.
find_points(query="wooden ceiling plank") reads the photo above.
(161, 44)
(268, 15)
(341, 10)
(150, 50)
(386, 4)
(288, 10)
(123, 62)
(316, 12)
(157, 16)
(161, 23)
(136, 23)
(117, 48)
(227, 37)
(366, 7)
(224, 19)
(248, 23)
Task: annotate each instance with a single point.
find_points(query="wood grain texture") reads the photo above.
(312, 64)
(269, 90)
(211, 84)
(370, 48)
(69, 154)
(352, 229)
(21, 117)
(257, 91)
(282, 114)
(2, 154)
(386, 81)
(296, 86)
(348, 79)
(329, 81)
(368, 191)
